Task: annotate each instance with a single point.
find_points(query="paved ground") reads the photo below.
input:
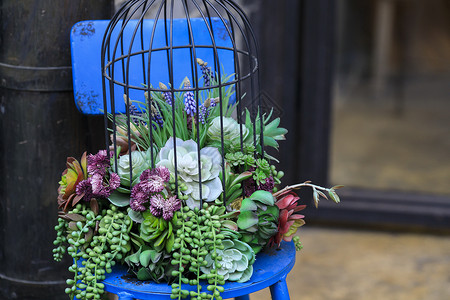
(338, 264)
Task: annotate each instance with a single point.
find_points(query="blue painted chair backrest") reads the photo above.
(86, 41)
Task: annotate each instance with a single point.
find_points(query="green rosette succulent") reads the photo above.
(231, 130)
(188, 170)
(139, 163)
(150, 264)
(157, 231)
(258, 219)
(237, 261)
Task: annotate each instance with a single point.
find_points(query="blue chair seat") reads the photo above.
(270, 270)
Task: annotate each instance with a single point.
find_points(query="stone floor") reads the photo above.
(351, 264)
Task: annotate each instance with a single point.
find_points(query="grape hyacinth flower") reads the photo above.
(167, 95)
(132, 109)
(190, 105)
(206, 72)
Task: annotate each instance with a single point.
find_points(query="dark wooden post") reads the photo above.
(39, 128)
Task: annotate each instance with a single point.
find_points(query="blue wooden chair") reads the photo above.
(270, 268)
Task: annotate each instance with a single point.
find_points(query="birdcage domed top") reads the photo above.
(174, 45)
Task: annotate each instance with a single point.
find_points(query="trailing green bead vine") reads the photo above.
(61, 240)
(198, 234)
(100, 253)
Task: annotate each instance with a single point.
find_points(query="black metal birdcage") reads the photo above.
(152, 46)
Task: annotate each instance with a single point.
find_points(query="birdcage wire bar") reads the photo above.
(118, 53)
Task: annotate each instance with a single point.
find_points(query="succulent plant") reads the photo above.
(258, 219)
(289, 221)
(237, 260)
(150, 264)
(70, 178)
(139, 164)
(159, 232)
(231, 130)
(188, 169)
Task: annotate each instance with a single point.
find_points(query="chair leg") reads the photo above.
(125, 296)
(279, 290)
(244, 297)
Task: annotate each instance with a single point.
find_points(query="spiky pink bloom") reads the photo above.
(114, 181)
(157, 205)
(98, 163)
(136, 205)
(84, 188)
(171, 205)
(154, 184)
(160, 171)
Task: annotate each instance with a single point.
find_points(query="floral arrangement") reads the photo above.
(190, 208)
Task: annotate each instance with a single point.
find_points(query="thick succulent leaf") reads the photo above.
(146, 257)
(264, 197)
(144, 274)
(247, 219)
(136, 216)
(83, 162)
(247, 274)
(248, 204)
(119, 199)
(169, 243)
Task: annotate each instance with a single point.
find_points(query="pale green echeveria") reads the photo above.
(140, 162)
(231, 130)
(188, 169)
(237, 261)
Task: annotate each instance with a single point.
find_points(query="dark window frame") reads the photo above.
(307, 35)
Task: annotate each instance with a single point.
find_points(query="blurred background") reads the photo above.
(364, 90)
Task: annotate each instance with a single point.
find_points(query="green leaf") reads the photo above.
(264, 197)
(145, 257)
(247, 219)
(248, 205)
(144, 274)
(119, 199)
(135, 216)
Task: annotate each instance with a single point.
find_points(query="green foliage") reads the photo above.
(157, 231)
(258, 219)
(100, 254)
(198, 235)
(149, 264)
(61, 239)
(233, 184)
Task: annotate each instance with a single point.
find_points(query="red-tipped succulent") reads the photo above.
(289, 220)
(74, 174)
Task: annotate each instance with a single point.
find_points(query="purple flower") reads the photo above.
(85, 188)
(154, 184)
(190, 105)
(167, 95)
(171, 205)
(139, 194)
(269, 185)
(99, 189)
(98, 163)
(114, 181)
(157, 205)
(204, 112)
(136, 205)
(206, 72)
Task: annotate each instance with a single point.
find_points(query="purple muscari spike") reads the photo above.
(204, 112)
(167, 95)
(189, 102)
(206, 72)
(156, 117)
(132, 109)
